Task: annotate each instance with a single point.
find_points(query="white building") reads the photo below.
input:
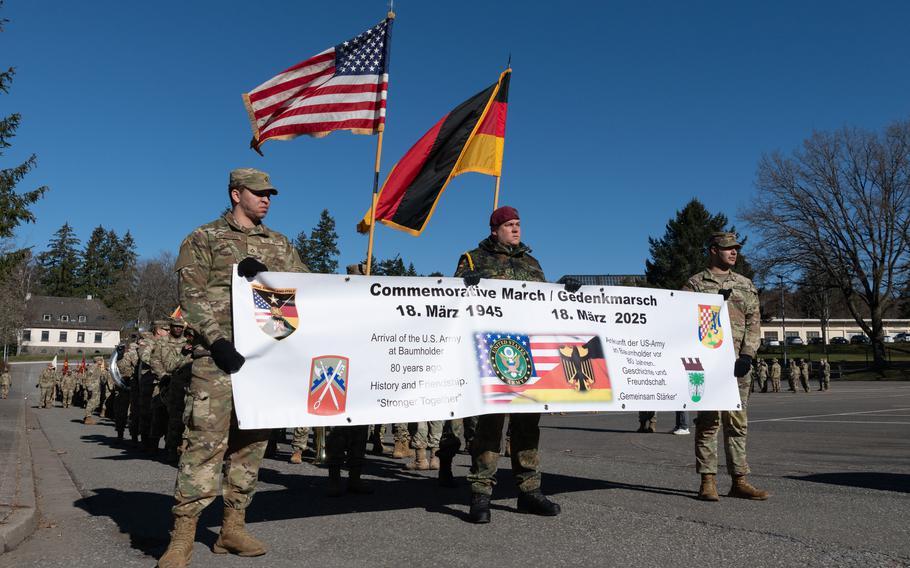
(76, 326)
(806, 329)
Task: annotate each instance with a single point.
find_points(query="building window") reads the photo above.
(811, 334)
(45, 336)
(46, 317)
(64, 318)
(81, 318)
(792, 334)
(770, 336)
(26, 335)
(98, 337)
(62, 337)
(80, 337)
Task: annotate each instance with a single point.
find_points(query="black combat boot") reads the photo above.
(446, 479)
(358, 485)
(335, 488)
(536, 503)
(480, 509)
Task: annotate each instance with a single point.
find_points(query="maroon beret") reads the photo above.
(503, 215)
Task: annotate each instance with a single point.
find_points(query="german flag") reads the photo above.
(468, 139)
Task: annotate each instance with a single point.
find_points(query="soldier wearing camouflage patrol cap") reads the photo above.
(742, 305)
(501, 255)
(218, 457)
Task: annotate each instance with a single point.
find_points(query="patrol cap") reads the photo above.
(252, 179)
(176, 322)
(503, 215)
(723, 239)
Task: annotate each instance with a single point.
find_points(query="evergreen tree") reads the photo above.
(59, 264)
(681, 252)
(14, 207)
(323, 245)
(411, 271)
(302, 244)
(94, 274)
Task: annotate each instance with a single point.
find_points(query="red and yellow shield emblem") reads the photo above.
(710, 332)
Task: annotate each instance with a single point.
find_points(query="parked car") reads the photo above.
(795, 340)
(902, 337)
(859, 339)
(816, 341)
(772, 343)
(839, 341)
(888, 338)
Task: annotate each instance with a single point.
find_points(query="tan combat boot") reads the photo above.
(90, 421)
(743, 490)
(708, 489)
(234, 538)
(401, 449)
(296, 457)
(434, 459)
(180, 550)
(420, 462)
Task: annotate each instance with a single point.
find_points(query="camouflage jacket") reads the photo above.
(742, 306)
(96, 376)
(762, 370)
(204, 270)
(48, 378)
(5, 379)
(161, 353)
(493, 259)
(68, 382)
(174, 360)
(775, 370)
(794, 370)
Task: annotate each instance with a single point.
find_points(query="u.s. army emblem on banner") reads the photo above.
(328, 385)
(709, 331)
(276, 310)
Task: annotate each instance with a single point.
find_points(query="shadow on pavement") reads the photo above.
(899, 482)
(581, 429)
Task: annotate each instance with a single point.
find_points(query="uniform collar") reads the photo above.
(492, 245)
(259, 229)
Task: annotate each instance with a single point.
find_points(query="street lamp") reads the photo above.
(783, 319)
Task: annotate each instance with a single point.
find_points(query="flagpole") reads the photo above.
(374, 202)
(496, 195)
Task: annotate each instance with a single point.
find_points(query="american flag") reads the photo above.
(342, 88)
(544, 357)
(263, 310)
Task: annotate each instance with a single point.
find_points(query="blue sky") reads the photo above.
(619, 112)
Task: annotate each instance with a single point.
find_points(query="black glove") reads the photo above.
(742, 366)
(120, 350)
(226, 357)
(572, 285)
(471, 278)
(725, 293)
(250, 267)
(187, 349)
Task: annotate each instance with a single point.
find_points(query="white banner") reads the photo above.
(324, 349)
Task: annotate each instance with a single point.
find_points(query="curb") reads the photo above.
(23, 520)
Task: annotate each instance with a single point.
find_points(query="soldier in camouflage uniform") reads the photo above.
(775, 375)
(763, 374)
(742, 304)
(67, 386)
(148, 384)
(804, 374)
(178, 362)
(95, 377)
(46, 383)
(794, 375)
(824, 374)
(163, 356)
(216, 451)
(299, 440)
(127, 362)
(425, 439)
(503, 256)
(6, 381)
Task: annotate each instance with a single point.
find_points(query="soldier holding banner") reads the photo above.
(213, 441)
(742, 304)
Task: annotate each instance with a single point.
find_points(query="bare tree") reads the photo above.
(840, 207)
(157, 286)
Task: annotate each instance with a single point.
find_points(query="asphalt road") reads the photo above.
(837, 463)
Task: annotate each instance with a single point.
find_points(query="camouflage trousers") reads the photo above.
(400, 432)
(300, 438)
(792, 382)
(823, 382)
(47, 397)
(217, 453)
(176, 402)
(452, 433)
(804, 382)
(67, 397)
(487, 444)
(93, 400)
(4, 391)
(735, 425)
(159, 420)
(775, 385)
(346, 445)
(425, 434)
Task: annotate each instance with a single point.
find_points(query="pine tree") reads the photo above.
(122, 295)
(681, 252)
(94, 274)
(323, 245)
(14, 207)
(59, 264)
(302, 244)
